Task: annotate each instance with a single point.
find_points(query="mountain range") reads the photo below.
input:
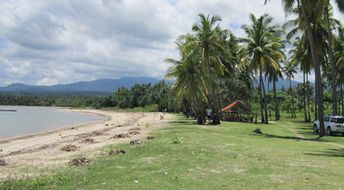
(95, 87)
(98, 87)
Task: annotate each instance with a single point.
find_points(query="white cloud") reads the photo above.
(49, 42)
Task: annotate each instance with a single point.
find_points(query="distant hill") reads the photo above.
(281, 83)
(96, 87)
(101, 86)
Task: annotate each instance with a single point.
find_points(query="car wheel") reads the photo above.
(329, 132)
(315, 129)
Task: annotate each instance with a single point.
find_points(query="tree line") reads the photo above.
(210, 55)
(157, 97)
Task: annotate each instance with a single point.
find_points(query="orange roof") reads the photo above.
(239, 105)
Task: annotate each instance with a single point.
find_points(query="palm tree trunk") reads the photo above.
(293, 115)
(261, 95)
(277, 114)
(317, 66)
(309, 93)
(333, 66)
(304, 97)
(268, 96)
(265, 105)
(342, 97)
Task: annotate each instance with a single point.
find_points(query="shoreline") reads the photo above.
(42, 153)
(67, 127)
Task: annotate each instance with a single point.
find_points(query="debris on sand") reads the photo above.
(119, 125)
(150, 138)
(69, 148)
(88, 141)
(115, 152)
(134, 132)
(258, 131)
(1, 150)
(136, 142)
(2, 162)
(79, 161)
(106, 124)
(135, 129)
(97, 133)
(120, 136)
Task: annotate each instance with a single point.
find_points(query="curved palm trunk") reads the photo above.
(277, 114)
(317, 66)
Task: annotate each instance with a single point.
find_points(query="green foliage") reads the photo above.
(176, 140)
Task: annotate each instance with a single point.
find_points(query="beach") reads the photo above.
(41, 153)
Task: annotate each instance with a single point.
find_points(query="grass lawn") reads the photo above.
(229, 156)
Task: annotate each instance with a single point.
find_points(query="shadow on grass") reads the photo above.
(294, 138)
(183, 122)
(329, 153)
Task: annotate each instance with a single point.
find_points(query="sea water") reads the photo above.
(29, 120)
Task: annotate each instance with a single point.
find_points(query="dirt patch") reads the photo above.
(79, 161)
(116, 152)
(136, 142)
(70, 148)
(150, 138)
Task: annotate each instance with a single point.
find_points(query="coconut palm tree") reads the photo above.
(311, 14)
(273, 75)
(301, 55)
(209, 46)
(262, 47)
(339, 64)
(290, 70)
(189, 83)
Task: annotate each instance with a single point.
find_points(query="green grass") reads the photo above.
(229, 156)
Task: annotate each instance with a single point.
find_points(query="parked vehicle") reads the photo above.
(333, 124)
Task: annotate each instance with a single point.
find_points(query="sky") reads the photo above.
(50, 42)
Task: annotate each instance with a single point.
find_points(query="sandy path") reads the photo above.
(27, 155)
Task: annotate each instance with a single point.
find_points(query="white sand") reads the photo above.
(29, 155)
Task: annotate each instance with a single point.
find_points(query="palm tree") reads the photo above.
(339, 63)
(209, 45)
(273, 74)
(301, 55)
(311, 13)
(262, 47)
(189, 83)
(290, 70)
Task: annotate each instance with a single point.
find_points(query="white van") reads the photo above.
(333, 124)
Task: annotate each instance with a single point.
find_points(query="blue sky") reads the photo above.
(50, 42)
